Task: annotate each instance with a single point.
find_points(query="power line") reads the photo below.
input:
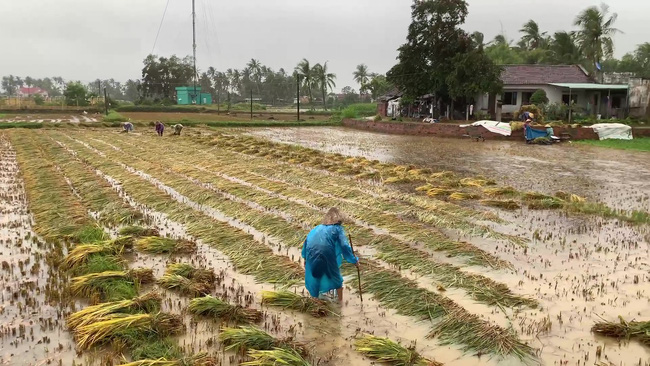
(159, 27)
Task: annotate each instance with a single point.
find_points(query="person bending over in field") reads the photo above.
(128, 127)
(177, 129)
(160, 128)
(324, 250)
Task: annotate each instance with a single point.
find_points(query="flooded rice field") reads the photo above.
(620, 178)
(131, 249)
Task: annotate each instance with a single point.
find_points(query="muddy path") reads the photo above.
(616, 177)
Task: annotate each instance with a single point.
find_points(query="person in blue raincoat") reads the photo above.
(324, 250)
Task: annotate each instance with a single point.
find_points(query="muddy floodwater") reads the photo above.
(619, 178)
(578, 269)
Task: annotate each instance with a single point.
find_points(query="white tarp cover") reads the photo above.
(616, 131)
(502, 128)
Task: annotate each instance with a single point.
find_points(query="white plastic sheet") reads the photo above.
(616, 131)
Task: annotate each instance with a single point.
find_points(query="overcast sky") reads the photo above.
(89, 39)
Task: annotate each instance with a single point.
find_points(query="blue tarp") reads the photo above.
(324, 250)
(532, 133)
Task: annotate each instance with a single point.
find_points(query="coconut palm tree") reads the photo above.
(361, 76)
(595, 35)
(305, 71)
(532, 38)
(324, 79)
(564, 49)
(255, 68)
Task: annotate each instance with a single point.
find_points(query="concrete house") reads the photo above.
(562, 83)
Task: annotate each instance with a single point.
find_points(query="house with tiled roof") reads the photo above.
(562, 84)
(25, 92)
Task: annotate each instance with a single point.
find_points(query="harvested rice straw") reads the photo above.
(397, 180)
(462, 196)
(624, 329)
(424, 188)
(189, 271)
(148, 302)
(385, 350)
(275, 357)
(80, 254)
(499, 191)
(244, 338)
(435, 192)
(217, 308)
(201, 359)
(475, 182)
(158, 245)
(185, 285)
(290, 300)
(138, 231)
(507, 204)
(103, 331)
(87, 285)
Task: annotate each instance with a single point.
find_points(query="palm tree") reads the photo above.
(595, 34)
(305, 71)
(324, 79)
(500, 39)
(255, 68)
(564, 49)
(532, 38)
(361, 76)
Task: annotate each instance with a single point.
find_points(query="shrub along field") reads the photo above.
(185, 250)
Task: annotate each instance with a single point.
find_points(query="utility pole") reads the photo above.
(298, 93)
(194, 50)
(99, 88)
(251, 104)
(105, 102)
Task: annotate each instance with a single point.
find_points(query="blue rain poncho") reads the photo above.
(324, 250)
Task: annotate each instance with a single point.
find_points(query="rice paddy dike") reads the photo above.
(131, 249)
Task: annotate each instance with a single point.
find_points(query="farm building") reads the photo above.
(186, 95)
(562, 83)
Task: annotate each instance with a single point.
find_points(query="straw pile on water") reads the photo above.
(275, 357)
(499, 191)
(188, 271)
(290, 300)
(245, 338)
(88, 285)
(462, 196)
(217, 308)
(475, 182)
(106, 330)
(624, 330)
(435, 192)
(200, 359)
(138, 231)
(185, 285)
(505, 204)
(80, 254)
(385, 350)
(158, 245)
(149, 302)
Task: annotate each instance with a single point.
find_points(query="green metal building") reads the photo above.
(185, 96)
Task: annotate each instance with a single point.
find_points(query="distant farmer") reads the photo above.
(177, 129)
(324, 249)
(160, 128)
(127, 126)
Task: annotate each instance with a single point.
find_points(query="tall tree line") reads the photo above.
(590, 44)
